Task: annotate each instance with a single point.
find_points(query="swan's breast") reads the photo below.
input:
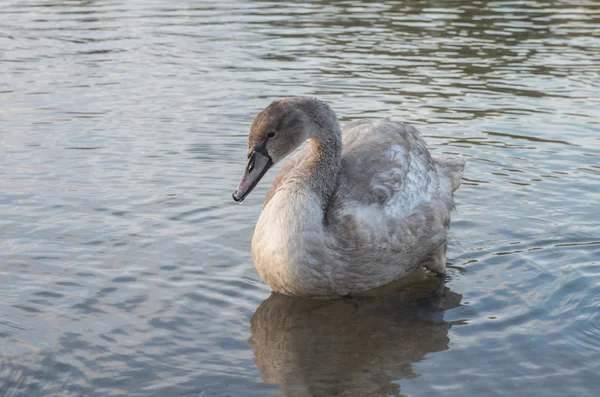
(288, 247)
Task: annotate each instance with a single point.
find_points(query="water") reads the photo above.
(126, 266)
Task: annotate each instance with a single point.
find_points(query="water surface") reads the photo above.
(125, 266)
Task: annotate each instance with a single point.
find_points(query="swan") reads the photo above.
(360, 206)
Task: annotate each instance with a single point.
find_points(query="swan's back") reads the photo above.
(385, 164)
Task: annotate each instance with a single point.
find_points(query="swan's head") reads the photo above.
(276, 131)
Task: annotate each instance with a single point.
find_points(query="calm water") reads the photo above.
(125, 265)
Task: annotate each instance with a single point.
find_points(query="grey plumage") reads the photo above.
(358, 207)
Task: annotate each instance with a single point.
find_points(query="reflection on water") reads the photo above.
(350, 347)
(125, 266)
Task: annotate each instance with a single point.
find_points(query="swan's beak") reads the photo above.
(258, 165)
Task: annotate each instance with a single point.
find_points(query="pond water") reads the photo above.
(125, 266)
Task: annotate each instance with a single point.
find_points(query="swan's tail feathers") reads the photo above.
(452, 168)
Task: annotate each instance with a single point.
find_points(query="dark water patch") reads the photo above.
(124, 279)
(48, 294)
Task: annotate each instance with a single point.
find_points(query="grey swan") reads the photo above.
(361, 205)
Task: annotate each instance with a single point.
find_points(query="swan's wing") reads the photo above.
(385, 166)
(390, 198)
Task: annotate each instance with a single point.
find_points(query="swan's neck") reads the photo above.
(319, 170)
(321, 166)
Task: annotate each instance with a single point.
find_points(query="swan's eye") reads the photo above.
(271, 134)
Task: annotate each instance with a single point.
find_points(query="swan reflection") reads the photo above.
(351, 347)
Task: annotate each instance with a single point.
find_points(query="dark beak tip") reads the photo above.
(235, 198)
